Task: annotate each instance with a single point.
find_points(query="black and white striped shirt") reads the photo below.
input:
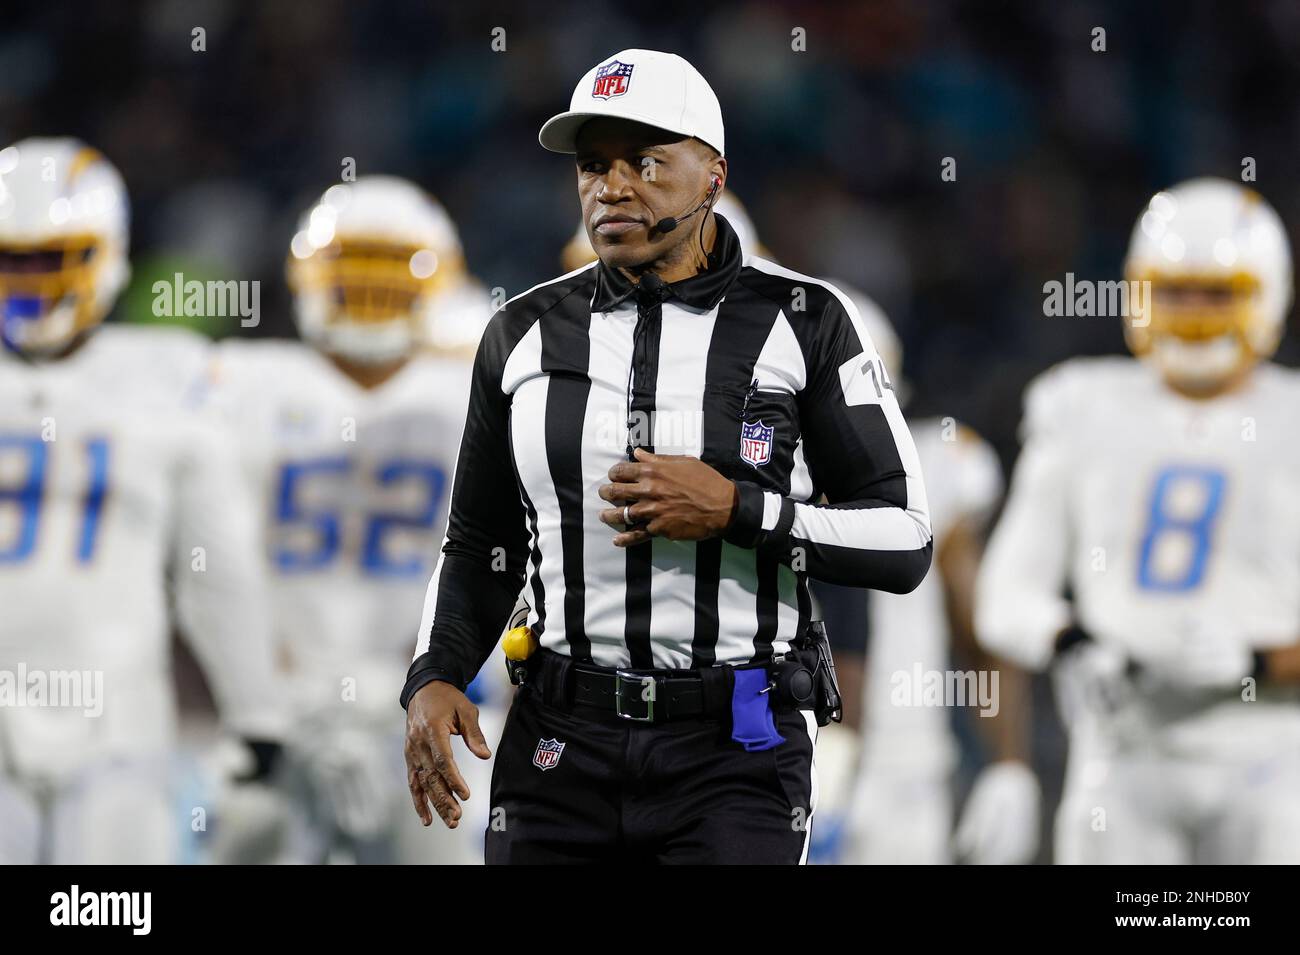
(767, 375)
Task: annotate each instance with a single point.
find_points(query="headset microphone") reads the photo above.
(668, 223)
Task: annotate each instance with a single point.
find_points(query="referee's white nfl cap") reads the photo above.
(658, 89)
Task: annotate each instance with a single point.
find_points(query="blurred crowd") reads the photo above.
(836, 151)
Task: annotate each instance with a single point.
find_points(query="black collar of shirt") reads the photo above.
(702, 290)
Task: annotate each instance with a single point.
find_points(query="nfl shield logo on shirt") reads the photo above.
(756, 443)
(611, 80)
(547, 755)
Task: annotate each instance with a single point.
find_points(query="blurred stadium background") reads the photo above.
(836, 151)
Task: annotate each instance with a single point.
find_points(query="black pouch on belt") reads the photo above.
(804, 677)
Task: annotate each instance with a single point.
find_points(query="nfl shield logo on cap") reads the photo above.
(756, 443)
(547, 754)
(612, 79)
(669, 94)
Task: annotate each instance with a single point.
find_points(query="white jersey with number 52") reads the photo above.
(353, 487)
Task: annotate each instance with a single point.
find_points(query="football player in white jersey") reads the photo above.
(1162, 492)
(349, 440)
(109, 481)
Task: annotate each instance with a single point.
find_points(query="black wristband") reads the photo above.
(746, 527)
(266, 757)
(1071, 636)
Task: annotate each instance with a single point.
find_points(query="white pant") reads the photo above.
(121, 814)
(1144, 807)
(900, 816)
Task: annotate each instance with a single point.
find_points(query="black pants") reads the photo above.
(622, 792)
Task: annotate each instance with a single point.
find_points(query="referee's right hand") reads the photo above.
(436, 712)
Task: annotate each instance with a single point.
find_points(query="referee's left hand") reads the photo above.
(670, 495)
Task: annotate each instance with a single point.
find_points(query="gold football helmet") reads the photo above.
(1214, 260)
(64, 222)
(367, 266)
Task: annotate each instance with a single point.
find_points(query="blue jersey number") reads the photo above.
(28, 494)
(327, 522)
(25, 495)
(1197, 528)
(373, 557)
(324, 522)
(93, 503)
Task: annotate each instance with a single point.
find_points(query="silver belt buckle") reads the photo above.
(623, 678)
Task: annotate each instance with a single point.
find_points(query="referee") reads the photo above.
(645, 441)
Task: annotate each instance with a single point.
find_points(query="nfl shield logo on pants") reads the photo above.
(547, 755)
(756, 443)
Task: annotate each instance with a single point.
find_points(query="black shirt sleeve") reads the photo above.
(481, 568)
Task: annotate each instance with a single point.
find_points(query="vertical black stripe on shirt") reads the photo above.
(539, 589)
(768, 597)
(645, 379)
(566, 350)
(767, 601)
(708, 566)
(739, 333)
(805, 605)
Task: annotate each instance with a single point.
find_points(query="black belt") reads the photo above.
(642, 696)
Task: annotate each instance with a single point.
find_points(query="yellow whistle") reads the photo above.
(519, 643)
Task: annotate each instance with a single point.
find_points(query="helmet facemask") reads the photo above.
(364, 298)
(47, 293)
(1200, 331)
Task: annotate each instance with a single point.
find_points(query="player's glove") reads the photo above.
(344, 772)
(253, 817)
(254, 825)
(999, 825)
(1092, 680)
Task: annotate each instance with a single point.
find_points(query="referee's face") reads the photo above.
(629, 177)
